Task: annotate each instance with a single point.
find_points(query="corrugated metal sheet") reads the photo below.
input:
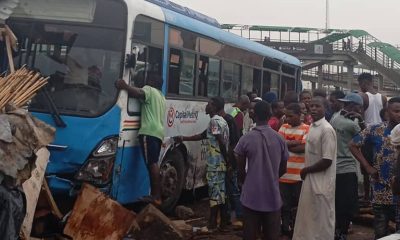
(6, 8)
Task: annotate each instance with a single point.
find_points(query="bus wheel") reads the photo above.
(172, 171)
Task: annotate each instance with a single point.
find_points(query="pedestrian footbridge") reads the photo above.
(333, 57)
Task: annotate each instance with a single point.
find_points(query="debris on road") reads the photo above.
(154, 225)
(182, 225)
(183, 212)
(21, 137)
(32, 189)
(96, 216)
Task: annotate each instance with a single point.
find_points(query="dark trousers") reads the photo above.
(233, 192)
(254, 221)
(346, 201)
(368, 153)
(290, 193)
(382, 215)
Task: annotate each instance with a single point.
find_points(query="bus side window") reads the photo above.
(148, 39)
(270, 83)
(257, 81)
(202, 76)
(149, 59)
(209, 72)
(247, 80)
(288, 84)
(231, 80)
(181, 72)
(213, 77)
(275, 84)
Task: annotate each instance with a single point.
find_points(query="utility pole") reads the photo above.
(327, 15)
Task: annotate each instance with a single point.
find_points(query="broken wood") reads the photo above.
(13, 38)
(183, 212)
(194, 220)
(32, 188)
(154, 225)
(53, 206)
(182, 225)
(9, 53)
(96, 216)
(20, 86)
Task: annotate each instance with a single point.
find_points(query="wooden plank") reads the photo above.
(50, 200)
(32, 188)
(13, 38)
(95, 216)
(9, 53)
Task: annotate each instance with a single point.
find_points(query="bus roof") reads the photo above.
(223, 36)
(186, 11)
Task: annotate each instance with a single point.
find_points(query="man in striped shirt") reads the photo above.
(294, 132)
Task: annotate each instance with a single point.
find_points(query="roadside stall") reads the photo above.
(23, 138)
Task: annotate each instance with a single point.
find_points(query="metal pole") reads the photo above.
(327, 15)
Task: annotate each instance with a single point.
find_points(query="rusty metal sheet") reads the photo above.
(95, 216)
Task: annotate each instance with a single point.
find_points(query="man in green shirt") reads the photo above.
(347, 123)
(151, 132)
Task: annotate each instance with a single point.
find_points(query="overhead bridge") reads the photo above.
(333, 57)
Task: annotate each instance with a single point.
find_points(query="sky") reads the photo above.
(378, 17)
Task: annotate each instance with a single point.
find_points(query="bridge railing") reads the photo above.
(374, 53)
(327, 76)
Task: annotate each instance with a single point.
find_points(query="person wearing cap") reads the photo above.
(347, 123)
(381, 170)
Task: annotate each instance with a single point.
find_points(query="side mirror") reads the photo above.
(130, 61)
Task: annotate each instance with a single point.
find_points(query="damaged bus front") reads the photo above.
(80, 45)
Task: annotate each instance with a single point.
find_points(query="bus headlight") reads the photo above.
(107, 148)
(98, 168)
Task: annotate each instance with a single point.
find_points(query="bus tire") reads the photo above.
(172, 171)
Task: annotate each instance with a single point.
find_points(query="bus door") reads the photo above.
(131, 178)
(270, 83)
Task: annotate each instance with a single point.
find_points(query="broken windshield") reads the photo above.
(82, 60)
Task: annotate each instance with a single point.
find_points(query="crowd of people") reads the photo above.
(288, 169)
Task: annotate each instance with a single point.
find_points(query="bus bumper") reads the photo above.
(65, 187)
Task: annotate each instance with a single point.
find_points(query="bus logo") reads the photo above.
(171, 117)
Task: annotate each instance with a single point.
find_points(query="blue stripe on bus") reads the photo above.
(131, 179)
(223, 36)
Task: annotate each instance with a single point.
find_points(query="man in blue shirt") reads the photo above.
(382, 168)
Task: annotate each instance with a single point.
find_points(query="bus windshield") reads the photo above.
(83, 60)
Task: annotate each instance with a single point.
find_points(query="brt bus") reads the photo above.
(86, 45)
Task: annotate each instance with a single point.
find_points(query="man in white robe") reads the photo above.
(316, 211)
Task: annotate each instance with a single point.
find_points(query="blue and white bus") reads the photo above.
(86, 45)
